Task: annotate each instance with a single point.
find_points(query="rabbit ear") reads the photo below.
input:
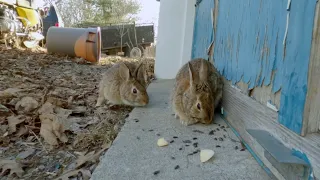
(124, 71)
(136, 71)
(203, 73)
(191, 74)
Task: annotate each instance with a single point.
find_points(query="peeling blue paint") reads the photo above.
(304, 157)
(249, 47)
(203, 30)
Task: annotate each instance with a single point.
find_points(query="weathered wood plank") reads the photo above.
(242, 112)
(262, 94)
(311, 122)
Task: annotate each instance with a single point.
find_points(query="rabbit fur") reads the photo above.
(197, 92)
(125, 83)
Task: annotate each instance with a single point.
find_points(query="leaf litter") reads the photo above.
(49, 126)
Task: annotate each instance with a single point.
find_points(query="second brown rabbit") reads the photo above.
(124, 83)
(197, 92)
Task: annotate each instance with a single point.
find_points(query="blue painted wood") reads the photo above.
(203, 33)
(249, 47)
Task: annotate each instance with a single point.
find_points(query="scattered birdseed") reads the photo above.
(186, 141)
(156, 172)
(195, 144)
(150, 130)
(218, 129)
(187, 145)
(190, 154)
(224, 136)
(222, 127)
(173, 158)
(225, 130)
(214, 130)
(180, 149)
(136, 120)
(243, 149)
(138, 137)
(158, 134)
(142, 129)
(211, 133)
(172, 141)
(175, 137)
(195, 152)
(216, 139)
(177, 167)
(218, 146)
(220, 139)
(236, 148)
(195, 138)
(127, 115)
(218, 124)
(198, 131)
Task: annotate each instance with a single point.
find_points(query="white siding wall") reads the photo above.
(175, 34)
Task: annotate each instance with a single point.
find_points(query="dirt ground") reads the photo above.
(49, 127)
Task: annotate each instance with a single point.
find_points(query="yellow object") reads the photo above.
(29, 14)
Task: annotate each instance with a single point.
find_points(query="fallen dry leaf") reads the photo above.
(13, 121)
(46, 130)
(26, 104)
(53, 120)
(9, 93)
(85, 174)
(12, 166)
(91, 156)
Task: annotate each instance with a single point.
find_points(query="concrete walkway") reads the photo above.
(135, 155)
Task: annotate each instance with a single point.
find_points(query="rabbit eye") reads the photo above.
(134, 90)
(199, 106)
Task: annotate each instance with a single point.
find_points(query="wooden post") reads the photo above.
(311, 119)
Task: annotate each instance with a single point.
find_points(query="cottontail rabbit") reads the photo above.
(124, 83)
(197, 92)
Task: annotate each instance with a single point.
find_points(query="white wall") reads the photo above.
(175, 34)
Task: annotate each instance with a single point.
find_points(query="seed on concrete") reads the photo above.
(151, 130)
(218, 146)
(222, 127)
(156, 172)
(224, 136)
(195, 144)
(177, 167)
(180, 149)
(175, 137)
(158, 134)
(211, 133)
(172, 141)
(225, 130)
(136, 120)
(216, 139)
(186, 141)
(195, 138)
(220, 139)
(198, 131)
(187, 145)
(173, 158)
(218, 129)
(236, 148)
(138, 137)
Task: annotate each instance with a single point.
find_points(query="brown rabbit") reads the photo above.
(197, 92)
(124, 83)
